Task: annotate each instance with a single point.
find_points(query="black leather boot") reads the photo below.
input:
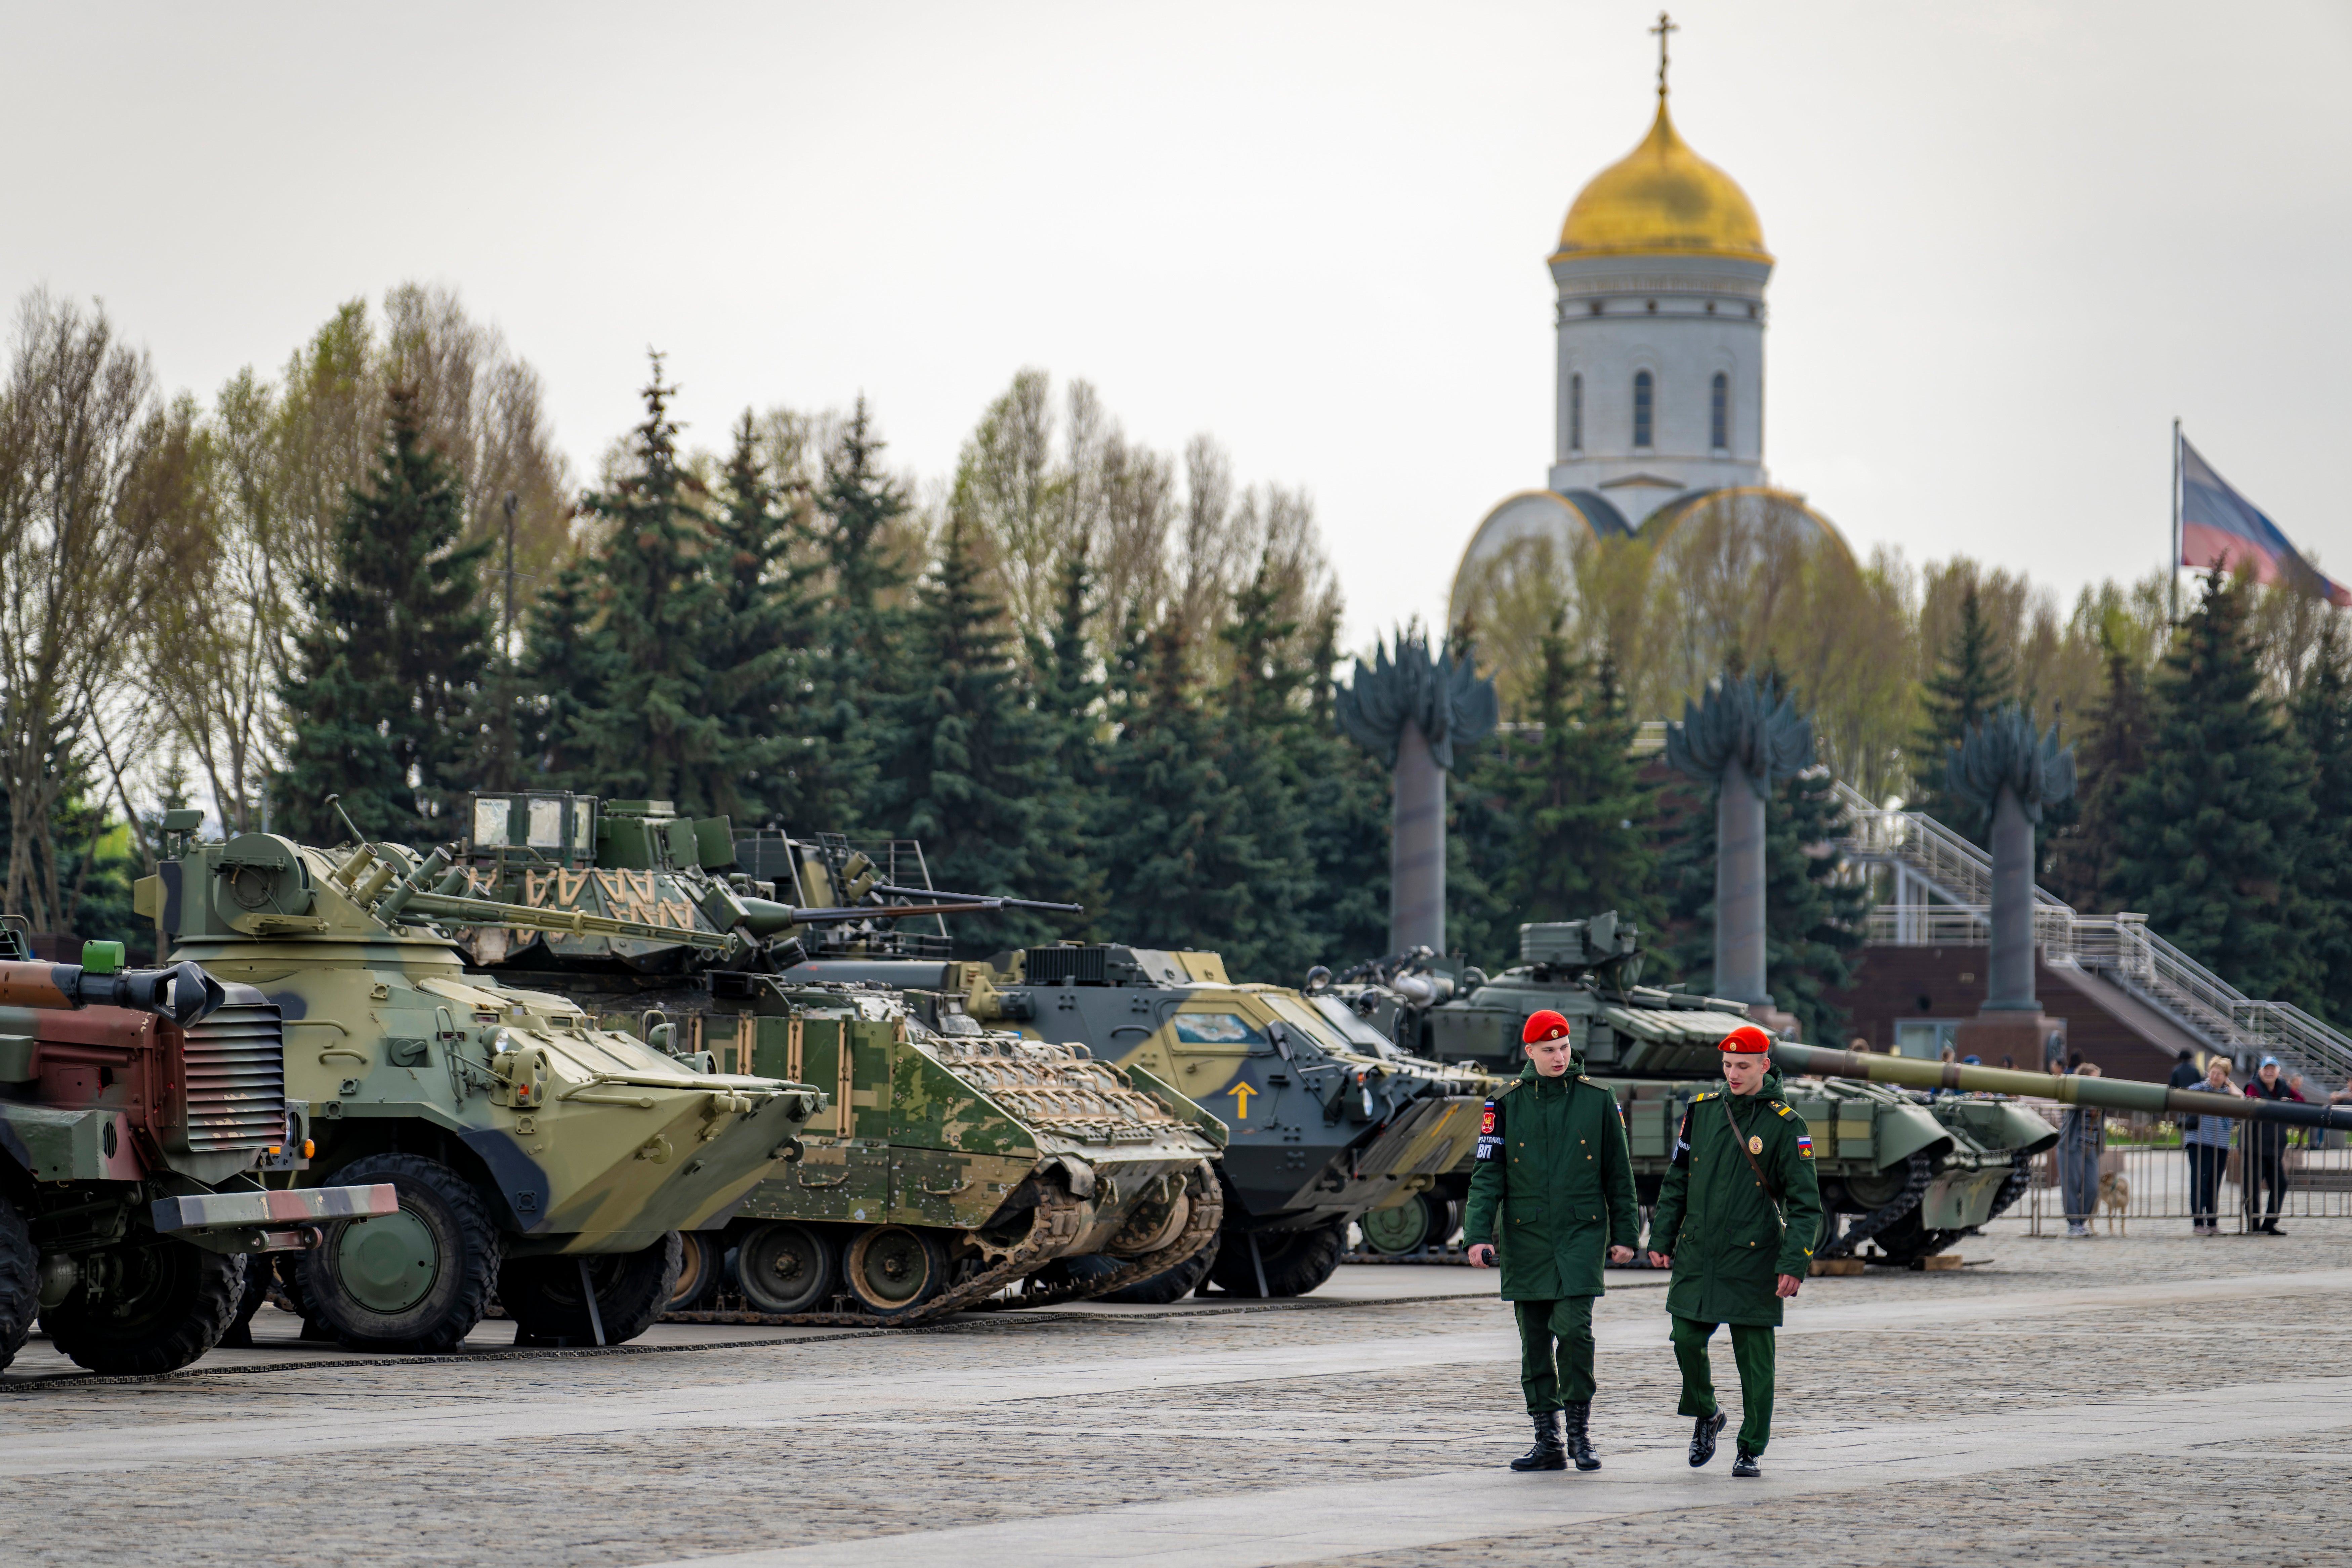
(1744, 1464)
(1579, 1442)
(1703, 1436)
(1547, 1455)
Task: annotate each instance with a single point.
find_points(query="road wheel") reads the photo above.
(701, 1261)
(1168, 1284)
(784, 1267)
(161, 1305)
(544, 1298)
(20, 1281)
(1295, 1261)
(892, 1270)
(415, 1280)
(1416, 1222)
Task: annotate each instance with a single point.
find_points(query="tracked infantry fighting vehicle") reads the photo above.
(954, 1164)
(136, 1107)
(1902, 1174)
(1329, 1121)
(534, 1151)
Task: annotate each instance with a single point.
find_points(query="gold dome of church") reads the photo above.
(1662, 198)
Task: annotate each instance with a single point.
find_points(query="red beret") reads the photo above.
(1544, 1025)
(1746, 1040)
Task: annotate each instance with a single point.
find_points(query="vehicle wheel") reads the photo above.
(543, 1294)
(1420, 1221)
(256, 1294)
(1168, 1284)
(415, 1280)
(701, 1261)
(163, 1306)
(1295, 1261)
(20, 1281)
(784, 1267)
(892, 1270)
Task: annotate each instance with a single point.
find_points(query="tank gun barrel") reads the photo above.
(568, 922)
(2068, 1088)
(841, 916)
(182, 994)
(982, 901)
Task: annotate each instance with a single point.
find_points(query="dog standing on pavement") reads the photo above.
(2114, 1196)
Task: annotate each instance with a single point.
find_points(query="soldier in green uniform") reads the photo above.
(1552, 1191)
(1737, 1221)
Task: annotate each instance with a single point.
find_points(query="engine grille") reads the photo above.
(235, 1069)
(1061, 965)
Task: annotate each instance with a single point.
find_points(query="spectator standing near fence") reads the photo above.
(2184, 1071)
(2081, 1137)
(2206, 1138)
(2265, 1154)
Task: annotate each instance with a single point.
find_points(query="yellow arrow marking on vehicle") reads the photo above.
(1241, 1092)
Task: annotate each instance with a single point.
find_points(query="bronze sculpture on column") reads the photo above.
(1411, 712)
(1740, 738)
(2004, 769)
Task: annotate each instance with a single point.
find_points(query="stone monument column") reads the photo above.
(2005, 770)
(1742, 736)
(1410, 711)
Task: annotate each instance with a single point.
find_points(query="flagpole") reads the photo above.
(2172, 571)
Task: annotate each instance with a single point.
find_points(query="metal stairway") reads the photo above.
(1943, 895)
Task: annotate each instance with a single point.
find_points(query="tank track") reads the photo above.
(1055, 1228)
(1923, 1173)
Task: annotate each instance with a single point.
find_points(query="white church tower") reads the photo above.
(1660, 275)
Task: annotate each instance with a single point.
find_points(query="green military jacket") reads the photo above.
(1713, 1215)
(1552, 1185)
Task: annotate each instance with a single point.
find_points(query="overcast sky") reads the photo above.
(2014, 240)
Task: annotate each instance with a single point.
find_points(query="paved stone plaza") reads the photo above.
(2150, 1399)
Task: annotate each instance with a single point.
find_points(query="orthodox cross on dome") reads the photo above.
(1665, 25)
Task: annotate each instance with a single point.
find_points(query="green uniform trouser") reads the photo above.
(1751, 1349)
(1555, 1352)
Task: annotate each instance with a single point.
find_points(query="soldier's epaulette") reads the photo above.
(1708, 1095)
(1583, 1077)
(1782, 1109)
(1504, 1089)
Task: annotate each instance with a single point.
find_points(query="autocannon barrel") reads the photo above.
(573, 923)
(182, 994)
(2069, 1088)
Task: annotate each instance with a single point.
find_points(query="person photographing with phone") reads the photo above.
(1551, 1195)
(1736, 1221)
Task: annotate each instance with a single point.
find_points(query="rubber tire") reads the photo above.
(191, 1297)
(258, 1270)
(468, 1241)
(633, 1288)
(1170, 1284)
(20, 1281)
(702, 1263)
(1297, 1261)
(811, 1283)
(853, 1271)
(1430, 1212)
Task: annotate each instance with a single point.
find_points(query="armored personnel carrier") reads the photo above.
(1906, 1173)
(534, 1151)
(1331, 1122)
(136, 1107)
(955, 1166)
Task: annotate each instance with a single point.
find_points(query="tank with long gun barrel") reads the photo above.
(2067, 1089)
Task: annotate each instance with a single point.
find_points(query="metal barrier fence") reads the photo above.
(2151, 1181)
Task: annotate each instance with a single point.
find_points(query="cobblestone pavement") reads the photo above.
(1054, 1417)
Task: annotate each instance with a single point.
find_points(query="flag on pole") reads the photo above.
(2221, 527)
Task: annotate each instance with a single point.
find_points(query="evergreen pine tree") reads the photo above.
(964, 763)
(2211, 824)
(1344, 795)
(1972, 681)
(850, 684)
(651, 729)
(382, 697)
(1177, 851)
(565, 667)
(759, 641)
(2112, 755)
(1582, 810)
(1260, 727)
(1068, 697)
(2321, 885)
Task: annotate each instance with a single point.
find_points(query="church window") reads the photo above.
(1654, 307)
(1595, 309)
(1576, 413)
(1710, 307)
(1643, 389)
(1718, 413)
(1751, 313)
